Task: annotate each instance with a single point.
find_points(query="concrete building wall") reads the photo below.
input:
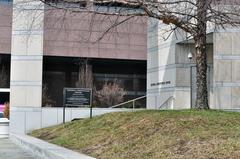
(29, 32)
(161, 74)
(72, 34)
(5, 27)
(227, 69)
(186, 73)
(35, 118)
(53, 116)
(168, 73)
(26, 66)
(31, 38)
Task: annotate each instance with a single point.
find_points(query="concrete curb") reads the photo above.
(45, 150)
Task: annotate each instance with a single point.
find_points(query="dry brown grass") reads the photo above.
(152, 135)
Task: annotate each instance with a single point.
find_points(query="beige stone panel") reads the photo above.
(34, 96)
(34, 23)
(165, 100)
(18, 72)
(26, 71)
(236, 97)
(19, 46)
(167, 75)
(183, 77)
(163, 56)
(152, 42)
(235, 71)
(27, 96)
(160, 100)
(35, 45)
(152, 33)
(18, 96)
(151, 101)
(27, 45)
(222, 97)
(159, 77)
(182, 100)
(166, 56)
(211, 98)
(152, 60)
(223, 43)
(222, 71)
(235, 43)
(152, 78)
(25, 19)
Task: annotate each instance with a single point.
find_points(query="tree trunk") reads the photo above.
(201, 56)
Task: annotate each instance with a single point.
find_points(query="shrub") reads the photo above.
(110, 95)
(46, 100)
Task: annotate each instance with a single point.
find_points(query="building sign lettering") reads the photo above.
(161, 83)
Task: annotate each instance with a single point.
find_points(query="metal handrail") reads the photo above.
(130, 101)
(171, 97)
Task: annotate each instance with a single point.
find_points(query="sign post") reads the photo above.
(77, 97)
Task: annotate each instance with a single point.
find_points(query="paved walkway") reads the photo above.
(8, 150)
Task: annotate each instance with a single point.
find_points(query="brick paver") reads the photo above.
(9, 150)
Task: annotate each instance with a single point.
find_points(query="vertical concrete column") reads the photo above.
(160, 67)
(227, 69)
(26, 66)
(152, 62)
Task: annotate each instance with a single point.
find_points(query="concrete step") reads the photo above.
(45, 150)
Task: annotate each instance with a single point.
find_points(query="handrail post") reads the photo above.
(133, 104)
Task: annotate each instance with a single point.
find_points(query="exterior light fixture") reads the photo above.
(190, 56)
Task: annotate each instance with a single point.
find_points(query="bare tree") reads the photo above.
(3, 77)
(191, 16)
(85, 76)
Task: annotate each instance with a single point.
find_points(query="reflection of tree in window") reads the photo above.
(3, 77)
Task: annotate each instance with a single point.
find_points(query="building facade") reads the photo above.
(42, 46)
(171, 76)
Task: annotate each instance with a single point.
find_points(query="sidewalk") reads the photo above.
(8, 150)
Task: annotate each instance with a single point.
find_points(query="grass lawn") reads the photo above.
(151, 135)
